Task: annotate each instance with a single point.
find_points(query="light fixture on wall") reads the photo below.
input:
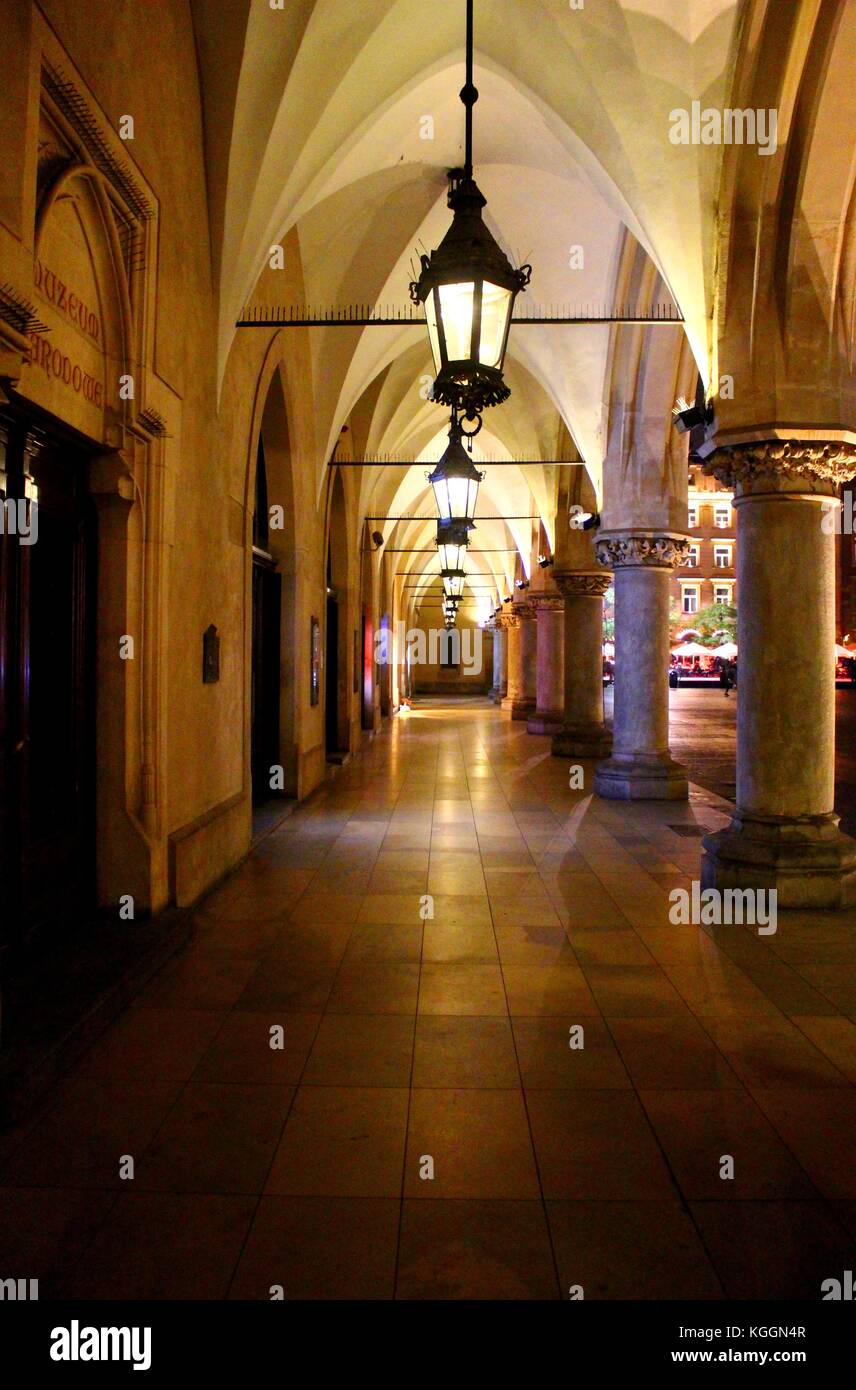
(584, 521)
(452, 541)
(468, 287)
(521, 583)
(545, 561)
(455, 480)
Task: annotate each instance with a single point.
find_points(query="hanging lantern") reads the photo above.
(455, 480)
(452, 541)
(453, 583)
(468, 287)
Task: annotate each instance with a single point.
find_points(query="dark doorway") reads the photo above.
(47, 681)
(332, 679)
(265, 677)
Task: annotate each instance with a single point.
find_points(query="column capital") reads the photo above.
(765, 466)
(506, 621)
(546, 603)
(588, 584)
(523, 611)
(648, 549)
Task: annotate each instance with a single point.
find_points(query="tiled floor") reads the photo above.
(363, 1079)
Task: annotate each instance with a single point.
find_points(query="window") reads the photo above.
(722, 593)
(692, 518)
(722, 556)
(722, 515)
(689, 598)
(694, 556)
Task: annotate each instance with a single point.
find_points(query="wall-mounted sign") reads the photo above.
(67, 370)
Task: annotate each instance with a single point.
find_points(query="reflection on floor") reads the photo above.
(426, 933)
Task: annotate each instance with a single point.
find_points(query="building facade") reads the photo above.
(708, 575)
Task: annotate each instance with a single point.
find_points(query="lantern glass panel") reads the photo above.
(433, 332)
(496, 307)
(456, 309)
(456, 498)
(452, 555)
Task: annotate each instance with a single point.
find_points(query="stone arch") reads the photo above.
(275, 552)
(337, 558)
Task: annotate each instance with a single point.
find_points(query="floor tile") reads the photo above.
(544, 990)
(478, 1140)
(82, 1140)
(185, 1246)
(361, 1050)
(464, 1052)
(770, 1251)
(355, 1137)
(217, 1138)
(320, 1248)
(469, 1249)
(266, 1048)
(596, 1144)
(548, 1061)
(386, 988)
(630, 1250)
(708, 1134)
(461, 987)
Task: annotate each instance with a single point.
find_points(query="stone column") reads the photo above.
(583, 733)
(641, 768)
(784, 832)
(502, 638)
(549, 664)
(496, 687)
(520, 626)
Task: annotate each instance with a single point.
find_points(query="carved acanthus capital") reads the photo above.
(524, 611)
(784, 465)
(651, 549)
(508, 621)
(580, 584)
(546, 603)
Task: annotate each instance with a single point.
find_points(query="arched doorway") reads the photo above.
(47, 669)
(273, 695)
(337, 690)
(265, 680)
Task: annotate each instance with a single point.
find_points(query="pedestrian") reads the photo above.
(725, 677)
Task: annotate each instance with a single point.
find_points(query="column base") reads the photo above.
(641, 779)
(544, 721)
(809, 862)
(517, 707)
(497, 696)
(582, 741)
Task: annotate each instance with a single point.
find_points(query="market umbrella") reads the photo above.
(691, 649)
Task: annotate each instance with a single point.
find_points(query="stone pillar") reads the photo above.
(784, 832)
(520, 626)
(549, 664)
(498, 637)
(641, 768)
(502, 637)
(583, 733)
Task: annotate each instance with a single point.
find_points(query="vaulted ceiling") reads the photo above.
(315, 120)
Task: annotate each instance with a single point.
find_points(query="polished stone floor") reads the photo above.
(422, 937)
